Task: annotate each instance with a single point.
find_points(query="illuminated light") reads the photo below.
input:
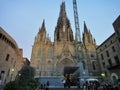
(103, 74)
(12, 69)
(19, 74)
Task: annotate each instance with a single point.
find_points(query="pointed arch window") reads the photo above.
(40, 52)
(50, 52)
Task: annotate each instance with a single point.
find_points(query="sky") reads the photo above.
(21, 19)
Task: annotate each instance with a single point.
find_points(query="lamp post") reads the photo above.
(12, 71)
(103, 76)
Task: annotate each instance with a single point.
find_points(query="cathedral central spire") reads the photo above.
(63, 11)
(63, 31)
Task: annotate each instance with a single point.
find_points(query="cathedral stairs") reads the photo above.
(53, 80)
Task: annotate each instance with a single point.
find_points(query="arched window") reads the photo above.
(50, 52)
(0, 35)
(40, 52)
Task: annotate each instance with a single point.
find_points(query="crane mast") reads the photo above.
(77, 31)
(76, 20)
(78, 45)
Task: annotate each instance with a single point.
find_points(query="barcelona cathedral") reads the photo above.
(59, 57)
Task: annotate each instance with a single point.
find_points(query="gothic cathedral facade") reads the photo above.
(49, 58)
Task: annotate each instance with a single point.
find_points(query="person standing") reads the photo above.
(47, 85)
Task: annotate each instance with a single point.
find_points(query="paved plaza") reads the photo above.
(62, 88)
(65, 89)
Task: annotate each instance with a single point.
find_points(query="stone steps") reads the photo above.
(53, 81)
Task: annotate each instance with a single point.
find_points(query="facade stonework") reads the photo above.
(91, 55)
(109, 55)
(50, 58)
(11, 57)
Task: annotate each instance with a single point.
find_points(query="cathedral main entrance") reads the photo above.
(70, 70)
(61, 64)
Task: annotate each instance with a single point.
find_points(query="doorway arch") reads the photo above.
(114, 78)
(63, 63)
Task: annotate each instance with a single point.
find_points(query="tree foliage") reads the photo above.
(25, 74)
(24, 80)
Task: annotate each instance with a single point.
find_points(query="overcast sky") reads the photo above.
(22, 19)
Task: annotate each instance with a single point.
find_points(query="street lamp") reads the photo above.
(19, 74)
(103, 74)
(12, 71)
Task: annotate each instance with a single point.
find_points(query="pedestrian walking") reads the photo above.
(41, 87)
(64, 82)
(47, 85)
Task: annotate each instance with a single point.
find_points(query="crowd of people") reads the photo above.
(69, 81)
(108, 86)
(95, 85)
(88, 85)
(44, 86)
(92, 85)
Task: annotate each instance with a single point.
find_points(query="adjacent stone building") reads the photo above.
(51, 58)
(11, 57)
(109, 55)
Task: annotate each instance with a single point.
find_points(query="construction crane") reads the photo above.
(76, 19)
(77, 31)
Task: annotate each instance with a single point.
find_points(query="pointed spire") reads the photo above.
(62, 9)
(94, 41)
(41, 36)
(42, 27)
(43, 24)
(63, 29)
(89, 32)
(85, 28)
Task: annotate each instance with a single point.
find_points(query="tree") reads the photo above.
(24, 80)
(25, 74)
